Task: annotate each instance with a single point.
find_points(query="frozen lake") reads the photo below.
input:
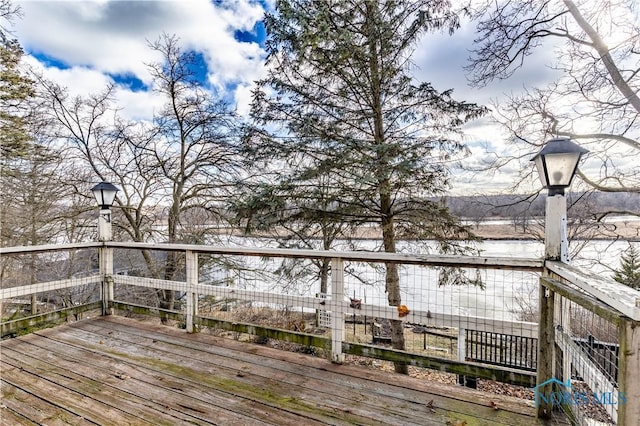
(505, 293)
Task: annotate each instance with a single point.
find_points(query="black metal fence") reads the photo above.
(502, 349)
(604, 355)
(521, 352)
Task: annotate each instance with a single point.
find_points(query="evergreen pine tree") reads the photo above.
(340, 91)
(629, 272)
(16, 89)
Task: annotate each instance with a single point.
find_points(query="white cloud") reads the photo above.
(138, 105)
(243, 99)
(95, 38)
(81, 81)
(78, 80)
(86, 34)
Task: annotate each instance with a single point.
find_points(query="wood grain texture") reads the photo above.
(115, 370)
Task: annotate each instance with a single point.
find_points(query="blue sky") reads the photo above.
(85, 45)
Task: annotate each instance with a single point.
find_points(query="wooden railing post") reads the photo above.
(563, 312)
(337, 310)
(562, 319)
(462, 344)
(192, 295)
(555, 248)
(629, 373)
(106, 261)
(546, 352)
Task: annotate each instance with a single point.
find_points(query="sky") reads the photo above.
(84, 45)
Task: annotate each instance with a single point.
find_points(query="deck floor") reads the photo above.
(119, 371)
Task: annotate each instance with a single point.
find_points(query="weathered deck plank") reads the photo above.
(245, 382)
(334, 381)
(15, 401)
(164, 393)
(61, 396)
(231, 365)
(114, 370)
(73, 375)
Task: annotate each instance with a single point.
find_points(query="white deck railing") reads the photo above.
(574, 291)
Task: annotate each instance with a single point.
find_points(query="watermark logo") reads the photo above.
(565, 395)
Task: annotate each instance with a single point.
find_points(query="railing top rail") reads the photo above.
(363, 256)
(48, 247)
(489, 262)
(620, 297)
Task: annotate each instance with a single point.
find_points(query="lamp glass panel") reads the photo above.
(98, 195)
(560, 168)
(105, 194)
(108, 197)
(540, 168)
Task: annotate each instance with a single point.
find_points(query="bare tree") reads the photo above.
(97, 146)
(183, 161)
(8, 12)
(193, 146)
(594, 99)
(29, 192)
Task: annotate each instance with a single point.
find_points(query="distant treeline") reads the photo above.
(517, 206)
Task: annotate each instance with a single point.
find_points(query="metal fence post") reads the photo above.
(337, 310)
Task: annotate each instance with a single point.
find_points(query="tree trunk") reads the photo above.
(392, 277)
(166, 296)
(324, 275)
(326, 263)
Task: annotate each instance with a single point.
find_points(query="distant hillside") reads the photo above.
(526, 206)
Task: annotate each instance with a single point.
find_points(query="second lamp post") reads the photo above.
(557, 164)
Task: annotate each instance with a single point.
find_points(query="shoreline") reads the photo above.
(625, 231)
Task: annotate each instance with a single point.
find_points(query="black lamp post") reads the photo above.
(557, 164)
(105, 194)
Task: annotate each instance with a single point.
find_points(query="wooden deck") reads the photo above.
(118, 371)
